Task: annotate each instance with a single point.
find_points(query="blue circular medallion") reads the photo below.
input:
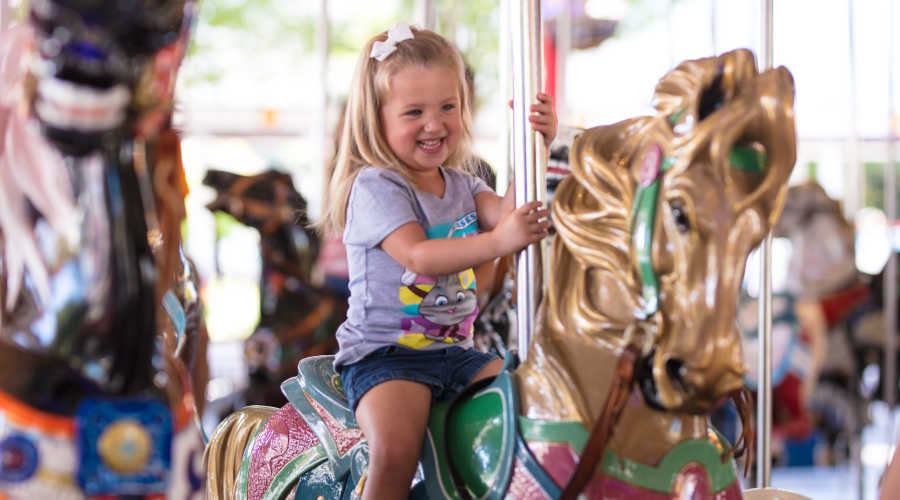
(18, 458)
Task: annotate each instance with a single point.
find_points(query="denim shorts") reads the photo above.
(445, 371)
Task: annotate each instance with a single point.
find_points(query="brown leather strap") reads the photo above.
(596, 445)
(746, 442)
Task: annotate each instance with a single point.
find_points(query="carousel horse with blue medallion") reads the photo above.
(297, 318)
(102, 342)
(635, 340)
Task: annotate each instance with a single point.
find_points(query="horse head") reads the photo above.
(269, 203)
(822, 240)
(658, 217)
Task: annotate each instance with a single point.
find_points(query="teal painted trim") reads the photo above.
(438, 480)
(173, 308)
(240, 483)
(572, 433)
(747, 159)
(505, 385)
(661, 478)
(318, 379)
(292, 389)
(291, 472)
(537, 472)
(510, 362)
(643, 219)
(677, 116)
(642, 239)
(667, 163)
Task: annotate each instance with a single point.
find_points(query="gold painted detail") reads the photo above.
(360, 485)
(125, 446)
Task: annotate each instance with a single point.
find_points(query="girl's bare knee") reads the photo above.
(396, 455)
(396, 460)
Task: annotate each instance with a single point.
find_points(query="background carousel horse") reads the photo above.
(824, 310)
(297, 319)
(635, 340)
(100, 322)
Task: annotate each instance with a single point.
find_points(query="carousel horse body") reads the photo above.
(635, 340)
(100, 322)
(297, 319)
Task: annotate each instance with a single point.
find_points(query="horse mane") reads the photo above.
(592, 250)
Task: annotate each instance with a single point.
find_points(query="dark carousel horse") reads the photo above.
(100, 320)
(297, 319)
(635, 340)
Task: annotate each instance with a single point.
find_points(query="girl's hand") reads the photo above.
(543, 118)
(523, 226)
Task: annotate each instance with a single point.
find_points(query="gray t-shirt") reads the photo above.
(390, 305)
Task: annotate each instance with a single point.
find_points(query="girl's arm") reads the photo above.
(492, 208)
(409, 246)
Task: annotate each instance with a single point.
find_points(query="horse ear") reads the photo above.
(220, 180)
(743, 120)
(696, 88)
(763, 143)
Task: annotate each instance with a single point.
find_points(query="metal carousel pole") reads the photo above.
(764, 405)
(5, 13)
(563, 47)
(528, 155)
(890, 274)
(854, 199)
(426, 14)
(504, 174)
(320, 126)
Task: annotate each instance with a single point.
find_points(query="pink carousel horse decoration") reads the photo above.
(635, 339)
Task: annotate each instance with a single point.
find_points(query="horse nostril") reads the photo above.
(676, 370)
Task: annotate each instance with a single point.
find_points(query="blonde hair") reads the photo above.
(362, 140)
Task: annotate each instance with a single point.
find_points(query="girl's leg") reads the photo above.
(393, 416)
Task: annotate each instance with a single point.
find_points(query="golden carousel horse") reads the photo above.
(102, 341)
(635, 339)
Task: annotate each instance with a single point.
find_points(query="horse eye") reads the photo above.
(440, 300)
(681, 219)
(460, 296)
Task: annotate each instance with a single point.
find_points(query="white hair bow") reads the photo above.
(398, 32)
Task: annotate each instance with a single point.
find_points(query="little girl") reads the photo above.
(415, 223)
